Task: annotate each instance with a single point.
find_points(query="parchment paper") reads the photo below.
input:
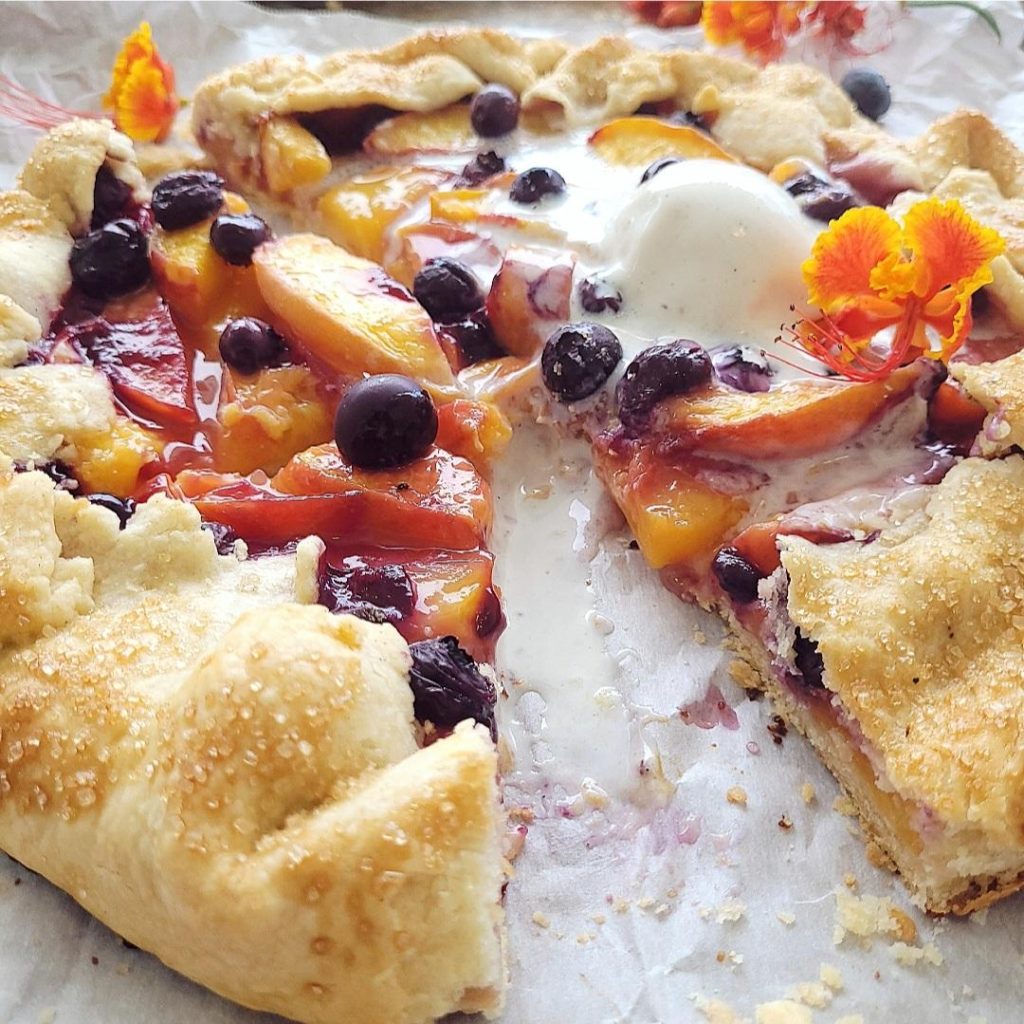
(641, 907)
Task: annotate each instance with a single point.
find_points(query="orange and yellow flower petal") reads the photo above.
(141, 94)
(952, 248)
(761, 27)
(841, 267)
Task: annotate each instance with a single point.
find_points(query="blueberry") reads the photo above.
(474, 338)
(808, 661)
(123, 508)
(448, 686)
(186, 197)
(868, 90)
(481, 167)
(248, 345)
(737, 577)
(743, 368)
(577, 360)
(59, 472)
(688, 119)
(110, 196)
(494, 111)
(223, 537)
(111, 261)
(376, 594)
(597, 296)
(665, 369)
(236, 236)
(819, 199)
(385, 421)
(657, 167)
(447, 289)
(533, 185)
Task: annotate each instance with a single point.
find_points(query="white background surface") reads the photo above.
(645, 963)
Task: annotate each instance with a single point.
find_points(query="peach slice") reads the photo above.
(434, 131)
(291, 156)
(269, 417)
(109, 461)
(357, 213)
(347, 314)
(201, 288)
(677, 518)
(529, 299)
(638, 141)
(477, 431)
(792, 419)
(437, 499)
(418, 243)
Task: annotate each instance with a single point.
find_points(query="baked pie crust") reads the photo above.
(158, 757)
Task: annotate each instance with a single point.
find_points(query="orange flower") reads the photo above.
(141, 93)
(868, 274)
(760, 27)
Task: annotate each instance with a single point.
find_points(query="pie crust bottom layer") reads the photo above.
(886, 817)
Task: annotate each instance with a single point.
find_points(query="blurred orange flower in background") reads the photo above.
(867, 273)
(141, 94)
(761, 28)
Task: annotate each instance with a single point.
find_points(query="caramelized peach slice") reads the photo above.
(793, 419)
(291, 156)
(676, 516)
(202, 289)
(109, 461)
(346, 313)
(478, 431)
(279, 411)
(638, 141)
(357, 213)
(418, 243)
(470, 206)
(433, 131)
(437, 499)
(529, 299)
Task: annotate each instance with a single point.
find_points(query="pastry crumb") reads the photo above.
(541, 920)
(620, 905)
(812, 993)
(869, 916)
(877, 857)
(831, 976)
(782, 1011)
(785, 823)
(736, 795)
(598, 918)
(807, 793)
(850, 881)
(912, 956)
(786, 918)
(584, 938)
(715, 1011)
(645, 902)
(844, 805)
(730, 911)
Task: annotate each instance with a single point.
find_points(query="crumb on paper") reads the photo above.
(593, 794)
(912, 956)
(541, 920)
(812, 993)
(786, 918)
(662, 910)
(584, 938)
(869, 916)
(736, 795)
(850, 880)
(598, 919)
(645, 902)
(715, 1011)
(782, 1011)
(877, 857)
(844, 805)
(730, 911)
(123, 969)
(807, 793)
(699, 637)
(785, 823)
(831, 976)
(522, 814)
(620, 905)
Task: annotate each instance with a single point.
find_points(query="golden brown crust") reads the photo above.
(62, 168)
(999, 387)
(922, 637)
(201, 779)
